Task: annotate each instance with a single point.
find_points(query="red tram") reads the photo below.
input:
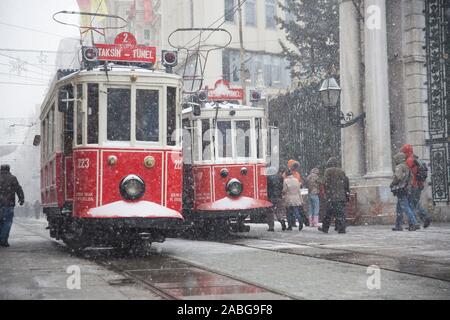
(111, 169)
(225, 164)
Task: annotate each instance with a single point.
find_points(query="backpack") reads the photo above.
(422, 170)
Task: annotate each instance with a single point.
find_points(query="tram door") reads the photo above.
(66, 106)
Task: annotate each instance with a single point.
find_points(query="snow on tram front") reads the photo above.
(111, 161)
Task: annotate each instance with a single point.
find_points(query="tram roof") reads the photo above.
(112, 70)
(116, 68)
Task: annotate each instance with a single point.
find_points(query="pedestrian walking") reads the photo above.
(337, 191)
(400, 187)
(9, 187)
(37, 209)
(419, 173)
(313, 184)
(275, 195)
(293, 200)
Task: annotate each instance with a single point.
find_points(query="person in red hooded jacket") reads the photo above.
(416, 185)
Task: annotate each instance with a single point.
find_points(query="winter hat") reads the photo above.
(399, 158)
(332, 162)
(407, 149)
(4, 168)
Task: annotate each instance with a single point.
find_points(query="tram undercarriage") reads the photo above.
(124, 233)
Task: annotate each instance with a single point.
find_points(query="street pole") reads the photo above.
(242, 53)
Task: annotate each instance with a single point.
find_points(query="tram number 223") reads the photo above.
(83, 163)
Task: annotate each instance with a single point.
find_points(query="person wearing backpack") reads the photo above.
(400, 187)
(419, 172)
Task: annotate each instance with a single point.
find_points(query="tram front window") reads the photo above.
(206, 139)
(224, 139)
(147, 115)
(119, 114)
(243, 139)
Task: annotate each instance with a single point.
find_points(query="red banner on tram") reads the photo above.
(126, 49)
(223, 91)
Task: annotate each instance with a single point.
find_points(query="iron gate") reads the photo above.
(437, 14)
(306, 129)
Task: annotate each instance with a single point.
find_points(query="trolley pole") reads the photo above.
(242, 53)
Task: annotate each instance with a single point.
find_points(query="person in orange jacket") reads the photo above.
(294, 166)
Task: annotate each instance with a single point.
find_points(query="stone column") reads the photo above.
(350, 78)
(378, 135)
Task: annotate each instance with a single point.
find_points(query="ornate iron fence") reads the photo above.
(308, 132)
(437, 34)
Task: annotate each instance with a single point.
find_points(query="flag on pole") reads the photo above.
(148, 10)
(92, 6)
(85, 6)
(132, 12)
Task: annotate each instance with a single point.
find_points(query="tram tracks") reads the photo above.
(403, 265)
(171, 278)
(175, 277)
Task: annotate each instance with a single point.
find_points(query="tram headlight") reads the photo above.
(234, 188)
(132, 187)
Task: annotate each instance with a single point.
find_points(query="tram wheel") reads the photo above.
(74, 244)
(137, 247)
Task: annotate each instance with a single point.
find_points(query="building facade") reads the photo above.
(153, 21)
(386, 74)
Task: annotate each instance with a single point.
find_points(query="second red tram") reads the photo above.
(225, 164)
(111, 164)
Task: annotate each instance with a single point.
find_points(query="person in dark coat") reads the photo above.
(337, 191)
(9, 187)
(275, 195)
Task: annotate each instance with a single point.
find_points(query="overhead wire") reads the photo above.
(35, 30)
(20, 60)
(233, 9)
(21, 76)
(83, 38)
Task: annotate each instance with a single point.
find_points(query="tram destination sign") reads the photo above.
(126, 49)
(223, 91)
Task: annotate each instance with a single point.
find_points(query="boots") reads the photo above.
(311, 221)
(316, 221)
(283, 225)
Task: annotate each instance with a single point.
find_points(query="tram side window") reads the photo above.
(79, 114)
(243, 139)
(147, 115)
(67, 93)
(195, 137)
(47, 134)
(51, 124)
(92, 122)
(119, 114)
(224, 139)
(259, 138)
(171, 115)
(206, 139)
(44, 138)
